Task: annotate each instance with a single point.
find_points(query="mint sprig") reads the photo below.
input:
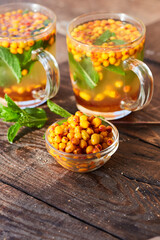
(57, 109)
(12, 61)
(116, 69)
(84, 70)
(104, 37)
(29, 117)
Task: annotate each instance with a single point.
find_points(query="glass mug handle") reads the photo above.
(50, 65)
(146, 85)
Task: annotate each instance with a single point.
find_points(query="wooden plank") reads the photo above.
(144, 132)
(23, 217)
(152, 42)
(122, 198)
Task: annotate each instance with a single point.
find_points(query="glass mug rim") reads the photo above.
(103, 15)
(35, 8)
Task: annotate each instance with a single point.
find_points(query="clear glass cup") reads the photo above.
(29, 72)
(83, 163)
(110, 81)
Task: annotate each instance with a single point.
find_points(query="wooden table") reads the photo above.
(41, 200)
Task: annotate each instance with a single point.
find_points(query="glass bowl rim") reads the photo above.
(111, 14)
(92, 155)
(33, 7)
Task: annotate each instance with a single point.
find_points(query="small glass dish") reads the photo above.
(84, 162)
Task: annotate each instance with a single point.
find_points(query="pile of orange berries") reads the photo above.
(88, 32)
(81, 134)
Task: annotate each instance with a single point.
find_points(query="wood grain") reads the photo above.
(122, 198)
(152, 43)
(23, 217)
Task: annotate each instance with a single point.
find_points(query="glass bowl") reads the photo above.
(83, 163)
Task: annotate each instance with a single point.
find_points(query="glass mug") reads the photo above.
(29, 72)
(105, 57)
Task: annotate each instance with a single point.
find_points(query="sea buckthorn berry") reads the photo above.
(19, 50)
(75, 119)
(70, 135)
(109, 141)
(101, 138)
(84, 124)
(77, 129)
(13, 45)
(58, 130)
(83, 118)
(104, 145)
(56, 145)
(77, 151)
(13, 50)
(73, 124)
(5, 44)
(102, 128)
(78, 135)
(96, 130)
(95, 139)
(99, 147)
(83, 143)
(85, 96)
(78, 113)
(112, 60)
(75, 140)
(104, 134)
(24, 72)
(22, 44)
(64, 140)
(106, 63)
(30, 43)
(85, 135)
(57, 139)
(62, 146)
(96, 122)
(90, 118)
(89, 149)
(69, 148)
(70, 119)
(90, 131)
(109, 129)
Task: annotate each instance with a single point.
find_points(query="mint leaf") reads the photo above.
(116, 69)
(62, 121)
(33, 117)
(7, 114)
(36, 30)
(104, 37)
(27, 54)
(46, 22)
(11, 104)
(12, 61)
(29, 117)
(118, 41)
(12, 132)
(25, 11)
(84, 70)
(57, 109)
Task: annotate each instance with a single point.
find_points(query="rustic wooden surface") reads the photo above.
(41, 200)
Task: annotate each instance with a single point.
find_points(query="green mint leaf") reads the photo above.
(25, 11)
(104, 37)
(62, 121)
(11, 104)
(46, 22)
(27, 54)
(57, 109)
(84, 70)
(12, 132)
(12, 61)
(33, 117)
(116, 69)
(36, 30)
(8, 115)
(118, 41)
